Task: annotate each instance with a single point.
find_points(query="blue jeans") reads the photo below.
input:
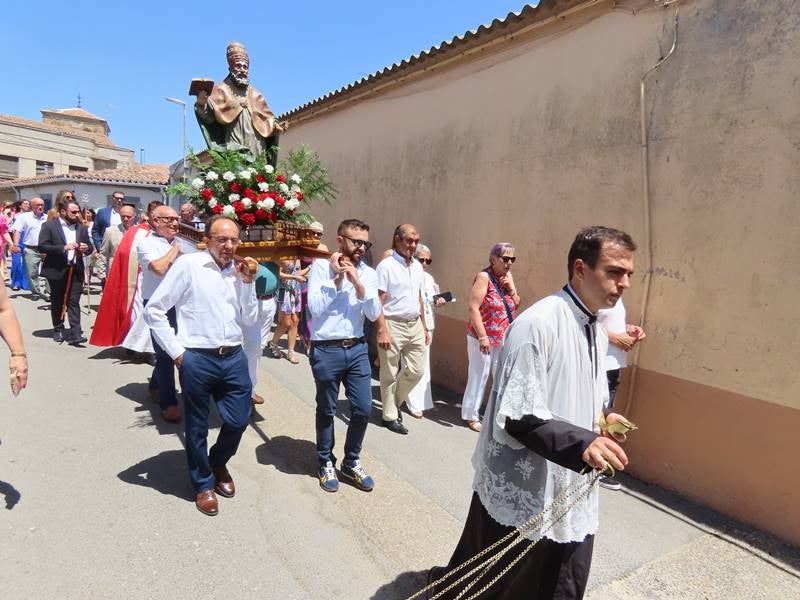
(225, 379)
(331, 366)
(163, 378)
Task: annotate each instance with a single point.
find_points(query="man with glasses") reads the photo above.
(341, 292)
(213, 299)
(107, 217)
(157, 253)
(64, 241)
(402, 334)
(26, 229)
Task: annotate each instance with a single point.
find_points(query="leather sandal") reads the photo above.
(474, 425)
(292, 358)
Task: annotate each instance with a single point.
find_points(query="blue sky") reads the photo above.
(123, 58)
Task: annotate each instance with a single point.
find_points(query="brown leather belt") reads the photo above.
(219, 351)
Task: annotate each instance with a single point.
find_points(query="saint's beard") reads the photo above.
(242, 81)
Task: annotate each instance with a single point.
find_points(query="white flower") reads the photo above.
(294, 188)
(212, 203)
(292, 204)
(263, 186)
(197, 183)
(296, 178)
(266, 204)
(269, 169)
(228, 211)
(246, 174)
(228, 176)
(284, 188)
(247, 202)
(211, 176)
(233, 197)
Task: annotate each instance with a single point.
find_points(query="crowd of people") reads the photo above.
(210, 314)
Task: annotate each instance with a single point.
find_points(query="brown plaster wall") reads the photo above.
(532, 141)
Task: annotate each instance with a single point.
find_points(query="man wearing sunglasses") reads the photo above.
(157, 252)
(107, 217)
(341, 292)
(64, 241)
(26, 228)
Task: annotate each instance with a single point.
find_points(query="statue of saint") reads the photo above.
(236, 113)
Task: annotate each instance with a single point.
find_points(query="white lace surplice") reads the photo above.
(545, 370)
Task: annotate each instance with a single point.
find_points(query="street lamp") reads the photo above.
(184, 143)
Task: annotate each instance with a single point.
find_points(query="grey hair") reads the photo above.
(422, 248)
(499, 249)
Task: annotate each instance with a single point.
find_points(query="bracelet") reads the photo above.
(21, 354)
(485, 337)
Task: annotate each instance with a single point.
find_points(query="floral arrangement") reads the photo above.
(252, 191)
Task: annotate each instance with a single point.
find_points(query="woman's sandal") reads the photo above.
(292, 358)
(274, 350)
(474, 425)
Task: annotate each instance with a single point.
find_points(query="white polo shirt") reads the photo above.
(151, 248)
(613, 320)
(402, 283)
(29, 226)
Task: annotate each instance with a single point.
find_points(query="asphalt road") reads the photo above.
(98, 502)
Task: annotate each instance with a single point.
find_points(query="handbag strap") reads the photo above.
(503, 295)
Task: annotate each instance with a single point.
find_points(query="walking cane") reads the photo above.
(66, 292)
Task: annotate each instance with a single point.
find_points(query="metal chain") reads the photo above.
(515, 537)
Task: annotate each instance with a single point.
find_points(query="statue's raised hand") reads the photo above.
(202, 98)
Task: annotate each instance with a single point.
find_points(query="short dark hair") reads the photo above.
(64, 204)
(589, 243)
(352, 224)
(151, 206)
(118, 192)
(216, 218)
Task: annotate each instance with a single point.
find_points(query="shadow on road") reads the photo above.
(286, 454)
(11, 493)
(43, 333)
(166, 473)
(403, 586)
(149, 411)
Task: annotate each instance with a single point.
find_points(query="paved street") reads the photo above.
(98, 502)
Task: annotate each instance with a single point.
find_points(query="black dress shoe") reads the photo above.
(395, 426)
(78, 340)
(58, 337)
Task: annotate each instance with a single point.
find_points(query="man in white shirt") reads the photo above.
(64, 241)
(26, 230)
(213, 300)
(157, 253)
(622, 337)
(402, 334)
(341, 292)
(541, 430)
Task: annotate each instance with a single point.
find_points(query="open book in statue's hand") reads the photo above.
(201, 85)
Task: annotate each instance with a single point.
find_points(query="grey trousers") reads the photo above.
(39, 285)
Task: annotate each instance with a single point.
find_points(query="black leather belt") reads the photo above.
(348, 343)
(32, 248)
(219, 351)
(265, 296)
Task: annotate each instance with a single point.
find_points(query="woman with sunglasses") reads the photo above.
(493, 303)
(420, 398)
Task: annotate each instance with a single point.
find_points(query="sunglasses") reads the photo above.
(359, 243)
(508, 259)
(425, 261)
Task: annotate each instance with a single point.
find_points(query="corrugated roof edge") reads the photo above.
(149, 175)
(513, 22)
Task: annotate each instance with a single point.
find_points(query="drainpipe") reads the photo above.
(645, 148)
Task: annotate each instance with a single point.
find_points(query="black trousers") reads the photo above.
(614, 376)
(59, 293)
(549, 571)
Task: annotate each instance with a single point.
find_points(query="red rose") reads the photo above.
(280, 178)
(263, 196)
(272, 216)
(207, 193)
(248, 193)
(280, 201)
(217, 210)
(299, 196)
(238, 206)
(235, 187)
(248, 218)
(260, 178)
(261, 215)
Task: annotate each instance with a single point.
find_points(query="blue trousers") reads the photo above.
(163, 377)
(332, 366)
(204, 376)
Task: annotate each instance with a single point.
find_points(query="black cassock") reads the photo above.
(551, 570)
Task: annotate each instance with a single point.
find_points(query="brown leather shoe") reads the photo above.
(206, 503)
(224, 486)
(257, 399)
(171, 414)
